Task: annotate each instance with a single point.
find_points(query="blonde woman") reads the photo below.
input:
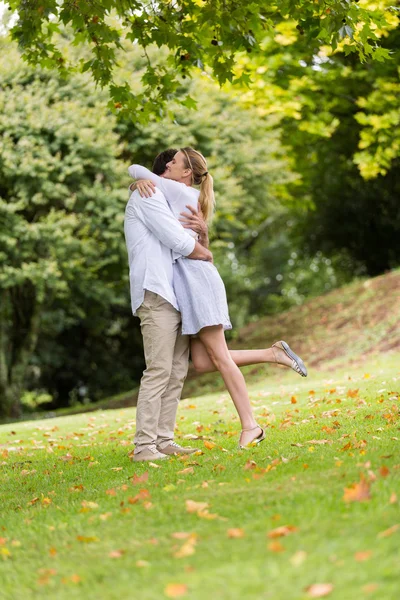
(200, 291)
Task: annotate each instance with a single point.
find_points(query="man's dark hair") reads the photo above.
(161, 160)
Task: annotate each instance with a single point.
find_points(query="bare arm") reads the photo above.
(194, 220)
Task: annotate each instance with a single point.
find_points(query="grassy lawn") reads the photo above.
(79, 520)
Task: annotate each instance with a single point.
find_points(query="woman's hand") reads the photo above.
(145, 187)
(195, 221)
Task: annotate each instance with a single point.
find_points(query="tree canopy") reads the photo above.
(192, 35)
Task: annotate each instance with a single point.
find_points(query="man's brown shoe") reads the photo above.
(148, 454)
(174, 448)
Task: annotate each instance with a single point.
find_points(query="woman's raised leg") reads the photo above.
(242, 358)
(214, 342)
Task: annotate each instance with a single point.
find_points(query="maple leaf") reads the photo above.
(358, 492)
(319, 590)
(282, 531)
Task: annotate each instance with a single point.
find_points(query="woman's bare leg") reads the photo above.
(214, 342)
(242, 358)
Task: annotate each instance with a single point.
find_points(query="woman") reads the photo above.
(201, 296)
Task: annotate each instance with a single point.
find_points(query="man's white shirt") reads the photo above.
(152, 234)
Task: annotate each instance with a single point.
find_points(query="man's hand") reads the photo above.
(195, 221)
(201, 253)
(145, 187)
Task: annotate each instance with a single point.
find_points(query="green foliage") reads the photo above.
(193, 34)
(61, 211)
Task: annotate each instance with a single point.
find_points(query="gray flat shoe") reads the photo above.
(297, 364)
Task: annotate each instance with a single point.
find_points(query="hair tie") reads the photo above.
(204, 174)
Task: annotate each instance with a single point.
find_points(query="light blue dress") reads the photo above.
(198, 286)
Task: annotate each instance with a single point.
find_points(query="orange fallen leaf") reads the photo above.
(389, 531)
(282, 531)
(33, 501)
(175, 590)
(250, 464)
(276, 546)
(67, 457)
(187, 471)
(209, 445)
(369, 588)
(75, 578)
(358, 492)
(393, 498)
(384, 471)
(193, 507)
(352, 393)
(293, 400)
(140, 478)
(2, 541)
(363, 555)
(188, 548)
(181, 535)
(319, 590)
(87, 539)
(116, 553)
(53, 552)
(235, 533)
(111, 492)
(76, 488)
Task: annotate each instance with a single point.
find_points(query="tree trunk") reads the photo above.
(20, 312)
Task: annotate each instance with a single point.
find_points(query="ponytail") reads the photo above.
(201, 177)
(206, 198)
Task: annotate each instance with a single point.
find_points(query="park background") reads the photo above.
(296, 107)
(304, 150)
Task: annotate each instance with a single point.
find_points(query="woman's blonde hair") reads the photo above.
(200, 176)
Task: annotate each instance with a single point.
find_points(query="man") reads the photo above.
(152, 233)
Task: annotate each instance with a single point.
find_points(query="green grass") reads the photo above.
(59, 546)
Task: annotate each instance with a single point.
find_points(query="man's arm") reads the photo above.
(155, 213)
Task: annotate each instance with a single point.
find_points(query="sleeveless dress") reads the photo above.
(199, 289)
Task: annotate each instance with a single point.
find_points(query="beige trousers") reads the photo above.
(166, 353)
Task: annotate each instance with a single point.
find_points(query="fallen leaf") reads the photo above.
(319, 590)
(293, 400)
(352, 393)
(140, 478)
(87, 539)
(75, 578)
(142, 563)
(358, 492)
(188, 548)
(175, 590)
(363, 555)
(209, 445)
(384, 471)
(193, 507)
(282, 531)
(235, 533)
(181, 535)
(369, 588)
(389, 531)
(298, 558)
(116, 553)
(111, 492)
(53, 552)
(187, 471)
(393, 498)
(67, 457)
(250, 464)
(116, 468)
(276, 546)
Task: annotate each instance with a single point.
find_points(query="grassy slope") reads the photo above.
(51, 472)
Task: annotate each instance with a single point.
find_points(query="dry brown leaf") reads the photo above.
(193, 507)
(389, 531)
(67, 457)
(319, 590)
(175, 590)
(357, 492)
(363, 555)
(235, 533)
(250, 464)
(282, 531)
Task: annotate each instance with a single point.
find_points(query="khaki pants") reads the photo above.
(166, 353)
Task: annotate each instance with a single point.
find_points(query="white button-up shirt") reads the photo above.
(152, 233)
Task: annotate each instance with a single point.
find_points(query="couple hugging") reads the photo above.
(180, 299)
